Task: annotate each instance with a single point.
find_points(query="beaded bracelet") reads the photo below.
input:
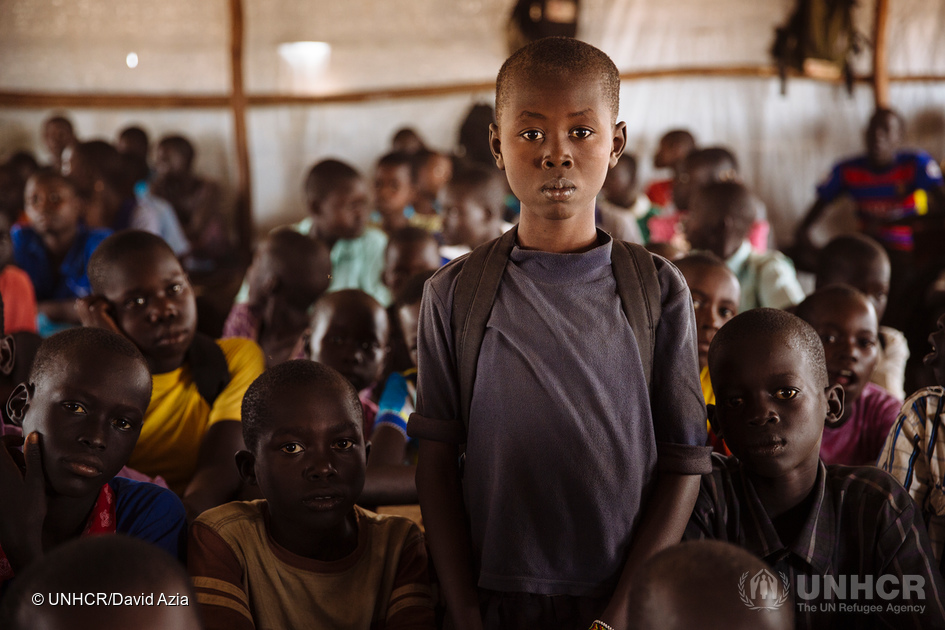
(600, 625)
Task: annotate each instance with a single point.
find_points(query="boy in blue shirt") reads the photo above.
(81, 412)
(575, 471)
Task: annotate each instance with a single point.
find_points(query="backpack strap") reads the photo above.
(208, 367)
(476, 287)
(638, 286)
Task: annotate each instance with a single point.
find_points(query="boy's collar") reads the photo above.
(817, 537)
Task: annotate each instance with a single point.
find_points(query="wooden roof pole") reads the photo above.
(244, 212)
(880, 66)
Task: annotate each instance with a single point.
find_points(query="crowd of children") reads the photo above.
(569, 372)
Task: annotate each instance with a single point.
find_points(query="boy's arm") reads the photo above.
(438, 426)
(388, 480)
(411, 603)
(218, 581)
(664, 521)
(59, 310)
(217, 478)
(444, 516)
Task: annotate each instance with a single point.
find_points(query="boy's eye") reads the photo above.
(74, 407)
(696, 303)
(370, 346)
(866, 342)
(786, 393)
(727, 313)
(734, 401)
(828, 338)
(292, 448)
(175, 288)
(532, 134)
(135, 302)
(344, 444)
(123, 424)
(581, 133)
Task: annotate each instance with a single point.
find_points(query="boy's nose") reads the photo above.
(93, 434)
(320, 467)
(162, 309)
(558, 155)
(760, 412)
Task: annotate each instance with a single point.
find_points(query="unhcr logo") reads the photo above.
(764, 591)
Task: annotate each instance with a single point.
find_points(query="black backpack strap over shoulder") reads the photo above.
(638, 286)
(476, 287)
(208, 367)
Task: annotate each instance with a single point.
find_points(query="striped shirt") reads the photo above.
(861, 523)
(915, 455)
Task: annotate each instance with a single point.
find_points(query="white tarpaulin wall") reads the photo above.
(785, 143)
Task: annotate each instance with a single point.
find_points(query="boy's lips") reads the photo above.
(324, 501)
(768, 446)
(559, 189)
(84, 466)
(844, 378)
(171, 338)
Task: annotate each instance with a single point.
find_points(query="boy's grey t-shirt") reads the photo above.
(561, 450)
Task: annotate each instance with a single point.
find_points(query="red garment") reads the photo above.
(660, 192)
(19, 300)
(102, 521)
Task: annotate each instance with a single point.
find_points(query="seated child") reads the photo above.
(859, 261)
(289, 273)
(16, 288)
(394, 191)
(777, 499)
(431, 172)
(59, 138)
(81, 412)
(720, 217)
(411, 250)
(407, 140)
(674, 146)
(349, 332)
(621, 194)
(106, 179)
(306, 556)
(195, 199)
(54, 249)
(337, 201)
(392, 467)
(134, 141)
(191, 428)
(701, 584)
(915, 447)
(715, 296)
(846, 322)
(115, 566)
(473, 204)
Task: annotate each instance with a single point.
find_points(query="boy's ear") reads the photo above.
(495, 145)
(246, 464)
(620, 142)
(19, 402)
(7, 355)
(834, 405)
(367, 450)
(710, 412)
(307, 343)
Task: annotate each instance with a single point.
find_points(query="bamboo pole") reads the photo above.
(880, 66)
(244, 212)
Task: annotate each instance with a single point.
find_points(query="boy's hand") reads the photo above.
(23, 497)
(95, 312)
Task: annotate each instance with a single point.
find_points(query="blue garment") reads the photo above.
(71, 279)
(150, 513)
(885, 196)
(398, 400)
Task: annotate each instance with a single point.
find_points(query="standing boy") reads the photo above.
(561, 397)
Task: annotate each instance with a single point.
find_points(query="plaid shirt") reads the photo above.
(915, 455)
(861, 523)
